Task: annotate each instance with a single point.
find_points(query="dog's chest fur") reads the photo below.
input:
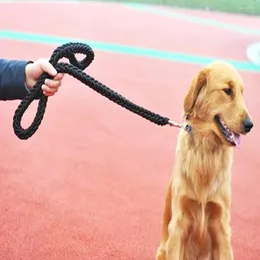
(201, 172)
(203, 166)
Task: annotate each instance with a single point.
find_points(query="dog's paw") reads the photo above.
(161, 253)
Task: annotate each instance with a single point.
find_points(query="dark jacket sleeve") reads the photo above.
(12, 79)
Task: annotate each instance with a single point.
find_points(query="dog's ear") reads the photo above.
(196, 86)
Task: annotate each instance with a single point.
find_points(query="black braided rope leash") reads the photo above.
(75, 69)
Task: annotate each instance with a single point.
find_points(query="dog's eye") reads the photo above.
(228, 91)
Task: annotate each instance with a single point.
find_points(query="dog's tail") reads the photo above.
(167, 215)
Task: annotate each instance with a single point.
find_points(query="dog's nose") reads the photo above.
(248, 124)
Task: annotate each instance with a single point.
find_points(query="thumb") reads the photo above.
(47, 67)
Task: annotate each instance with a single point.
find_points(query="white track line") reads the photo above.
(253, 53)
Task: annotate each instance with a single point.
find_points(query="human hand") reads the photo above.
(34, 70)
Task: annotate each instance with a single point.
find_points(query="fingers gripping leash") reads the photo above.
(76, 69)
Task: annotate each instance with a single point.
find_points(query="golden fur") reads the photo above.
(196, 220)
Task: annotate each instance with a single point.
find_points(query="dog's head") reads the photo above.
(215, 103)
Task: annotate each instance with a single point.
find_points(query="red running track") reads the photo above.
(90, 183)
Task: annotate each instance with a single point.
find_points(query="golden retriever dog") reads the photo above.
(196, 219)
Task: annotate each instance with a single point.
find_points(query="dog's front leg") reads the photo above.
(178, 232)
(221, 238)
(224, 241)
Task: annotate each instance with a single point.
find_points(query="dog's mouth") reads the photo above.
(231, 137)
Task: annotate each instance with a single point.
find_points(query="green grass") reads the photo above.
(251, 7)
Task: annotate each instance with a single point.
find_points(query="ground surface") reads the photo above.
(90, 183)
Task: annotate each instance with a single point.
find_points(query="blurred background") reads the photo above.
(90, 184)
(250, 7)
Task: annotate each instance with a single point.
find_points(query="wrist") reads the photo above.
(29, 81)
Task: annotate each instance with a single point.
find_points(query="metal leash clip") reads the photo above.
(186, 127)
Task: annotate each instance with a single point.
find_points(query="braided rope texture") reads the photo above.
(75, 69)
